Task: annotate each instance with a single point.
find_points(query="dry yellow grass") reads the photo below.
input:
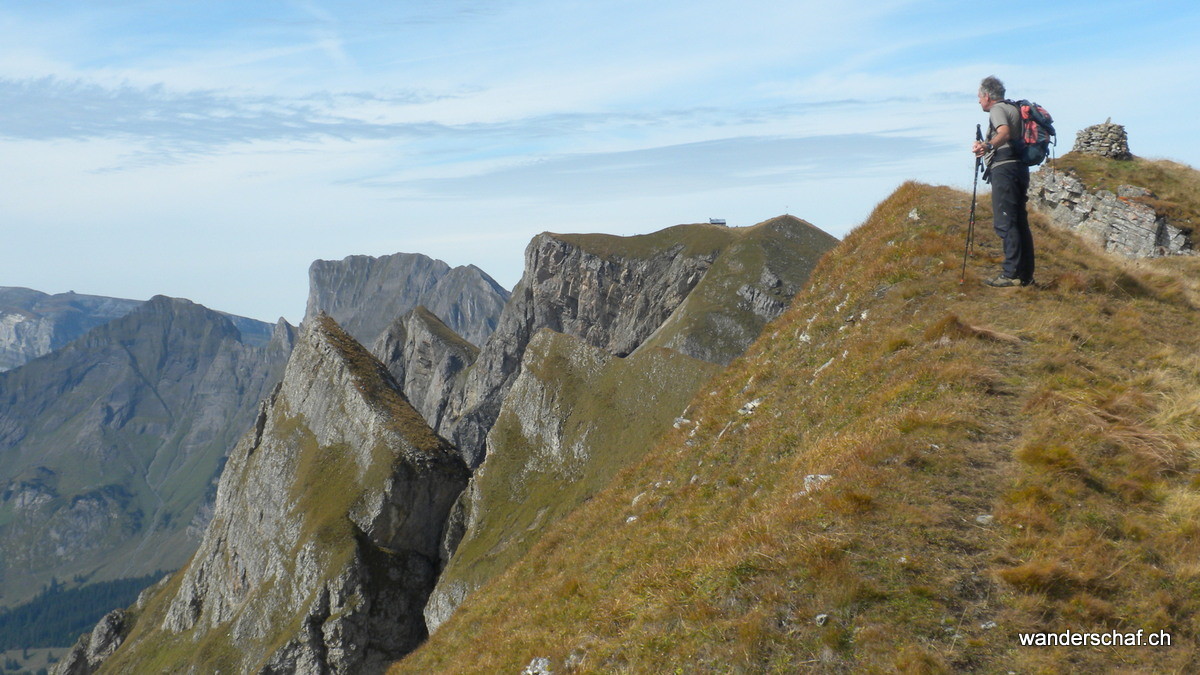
(1000, 461)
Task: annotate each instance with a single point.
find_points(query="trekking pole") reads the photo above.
(971, 223)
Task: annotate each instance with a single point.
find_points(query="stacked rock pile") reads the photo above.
(1106, 140)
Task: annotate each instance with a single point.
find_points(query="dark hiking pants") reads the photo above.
(1010, 185)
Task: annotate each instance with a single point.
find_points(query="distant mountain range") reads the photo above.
(365, 294)
(110, 444)
(33, 323)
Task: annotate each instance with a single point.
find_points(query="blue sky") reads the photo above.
(213, 150)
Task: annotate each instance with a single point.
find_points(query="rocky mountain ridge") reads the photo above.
(426, 357)
(615, 293)
(366, 294)
(903, 474)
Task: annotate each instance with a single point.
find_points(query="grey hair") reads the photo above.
(992, 87)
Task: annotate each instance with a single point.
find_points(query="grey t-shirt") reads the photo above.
(1003, 114)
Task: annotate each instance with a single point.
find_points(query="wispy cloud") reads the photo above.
(675, 169)
(336, 121)
(172, 124)
(163, 125)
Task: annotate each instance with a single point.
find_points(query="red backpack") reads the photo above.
(1037, 128)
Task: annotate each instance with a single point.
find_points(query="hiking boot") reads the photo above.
(1002, 281)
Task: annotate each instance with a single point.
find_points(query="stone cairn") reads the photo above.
(1106, 140)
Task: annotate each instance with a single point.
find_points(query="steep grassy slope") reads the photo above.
(904, 473)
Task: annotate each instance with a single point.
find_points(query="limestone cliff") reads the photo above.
(562, 409)
(365, 294)
(425, 357)
(1121, 222)
(324, 542)
(614, 293)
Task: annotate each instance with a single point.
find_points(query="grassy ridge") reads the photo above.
(1001, 461)
(716, 322)
(690, 240)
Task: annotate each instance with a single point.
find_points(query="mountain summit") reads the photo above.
(704, 290)
(366, 294)
(324, 541)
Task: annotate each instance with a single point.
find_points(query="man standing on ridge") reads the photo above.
(1009, 177)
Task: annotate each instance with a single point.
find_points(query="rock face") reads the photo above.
(1118, 223)
(324, 542)
(33, 324)
(425, 357)
(107, 445)
(615, 293)
(95, 647)
(573, 418)
(366, 294)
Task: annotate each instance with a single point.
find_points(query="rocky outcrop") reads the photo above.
(107, 445)
(1119, 223)
(574, 417)
(365, 294)
(425, 357)
(95, 647)
(324, 541)
(33, 324)
(615, 293)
